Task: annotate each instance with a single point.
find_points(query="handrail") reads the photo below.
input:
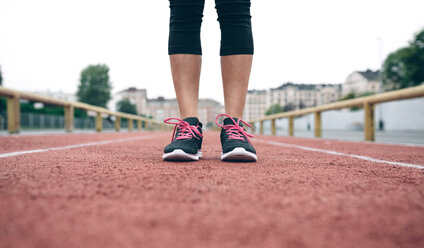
(13, 111)
(367, 102)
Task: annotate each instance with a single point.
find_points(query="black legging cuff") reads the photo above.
(234, 19)
(184, 50)
(235, 51)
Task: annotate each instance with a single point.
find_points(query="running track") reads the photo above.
(113, 190)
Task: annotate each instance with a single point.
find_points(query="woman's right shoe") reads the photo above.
(186, 140)
(235, 141)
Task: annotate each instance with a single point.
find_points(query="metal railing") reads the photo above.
(367, 102)
(13, 112)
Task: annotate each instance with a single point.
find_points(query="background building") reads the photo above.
(208, 110)
(328, 93)
(289, 96)
(360, 82)
(292, 96)
(256, 104)
(136, 96)
(57, 95)
(161, 108)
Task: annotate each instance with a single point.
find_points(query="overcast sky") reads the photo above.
(44, 44)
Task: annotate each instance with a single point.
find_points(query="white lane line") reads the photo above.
(376, 160)
(13, 154)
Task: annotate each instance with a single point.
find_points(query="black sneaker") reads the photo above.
(235, 141)
(186, 140)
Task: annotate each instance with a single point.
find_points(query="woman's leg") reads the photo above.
(236, 62)
(235, 77)
(185, 52)
(236, 51)
(186, 74)
(185, 56)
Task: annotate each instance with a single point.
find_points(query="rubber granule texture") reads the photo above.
(123, 195)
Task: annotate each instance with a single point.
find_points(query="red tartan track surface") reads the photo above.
(114, 190)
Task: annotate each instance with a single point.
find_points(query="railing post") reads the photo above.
(291, 125)
(261, 127)
(13, 114)
(117, 123)
(130, 125)
(273, 127)
(139, 125)
(369, 127)
(69, 118)
(99, 122)
(318, 129)
(252, 129)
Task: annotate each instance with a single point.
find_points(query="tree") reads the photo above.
(94, 85)
(288, 107)
(301, 105)
(2, 100)
(274, 109)
(126, 106)
(1, 77)
(351, 95)
(405, 67)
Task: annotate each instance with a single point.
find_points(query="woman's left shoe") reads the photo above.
(186, 140)
(235, 141)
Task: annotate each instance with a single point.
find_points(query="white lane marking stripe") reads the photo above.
(376, 160)
(13, 154)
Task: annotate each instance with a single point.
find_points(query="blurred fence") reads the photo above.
(3, 121)
(46, 121)
(368, 104)
(103, 117)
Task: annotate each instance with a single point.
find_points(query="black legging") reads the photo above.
(186, 20)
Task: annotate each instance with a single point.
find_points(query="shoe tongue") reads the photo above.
(228, 121)
(193, 121)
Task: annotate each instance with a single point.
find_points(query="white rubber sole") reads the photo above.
(239, 154)
(180, 155)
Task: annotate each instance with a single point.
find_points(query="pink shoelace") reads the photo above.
(187, 131)
(235, 131)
